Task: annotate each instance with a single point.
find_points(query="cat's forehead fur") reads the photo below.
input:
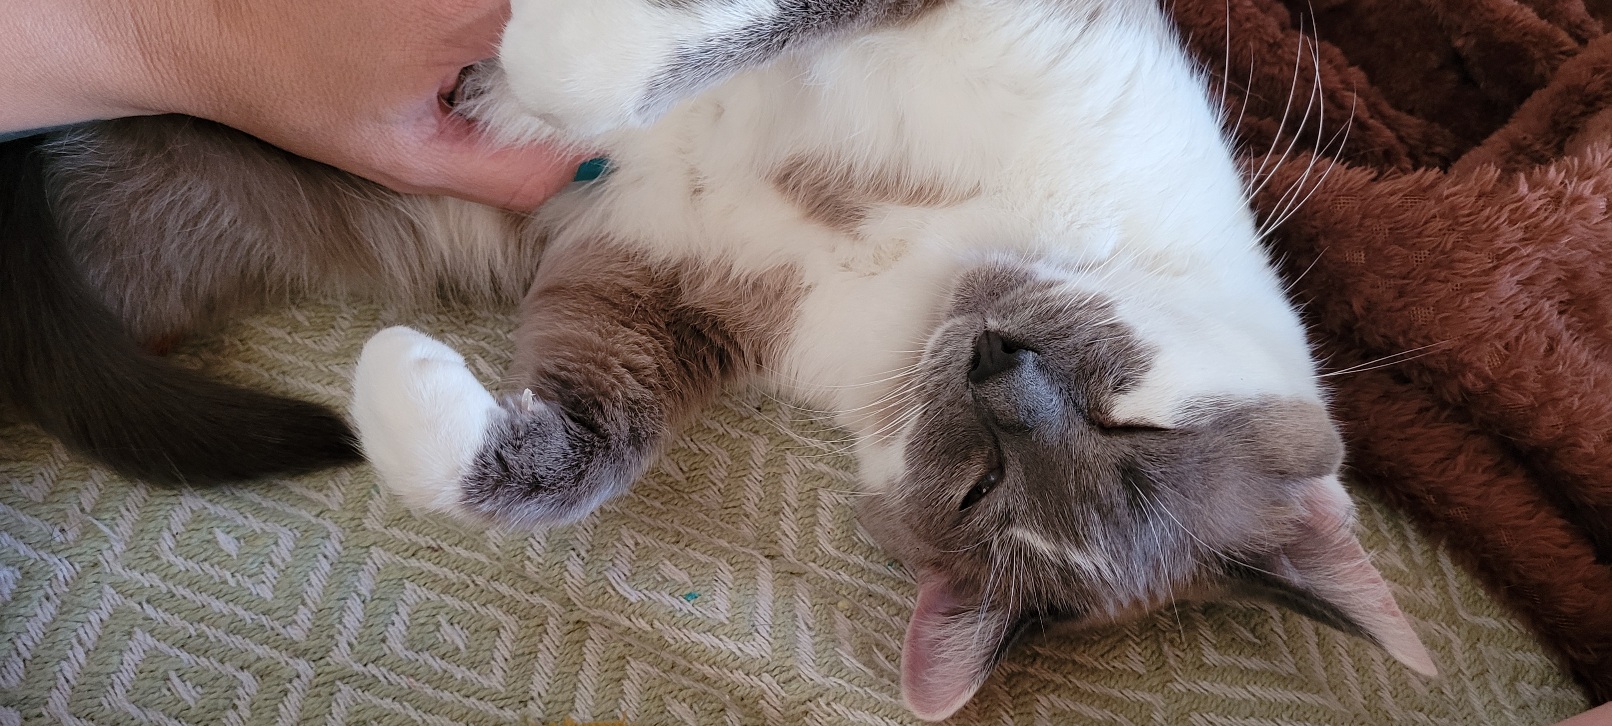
(1201, 354)
(1097, 514)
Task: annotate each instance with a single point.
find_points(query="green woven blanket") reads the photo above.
(731, 587)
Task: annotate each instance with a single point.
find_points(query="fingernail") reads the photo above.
(593, 169)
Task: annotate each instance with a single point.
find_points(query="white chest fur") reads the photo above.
(1042, 133)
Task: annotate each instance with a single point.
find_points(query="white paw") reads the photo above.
(587, 67)
(421, 416)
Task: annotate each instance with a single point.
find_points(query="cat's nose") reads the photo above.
(994, 355)
(1009, 385)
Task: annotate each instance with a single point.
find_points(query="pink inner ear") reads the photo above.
(942, 662)
(1335, 567)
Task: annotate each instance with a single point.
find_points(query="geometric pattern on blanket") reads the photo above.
(732, 586)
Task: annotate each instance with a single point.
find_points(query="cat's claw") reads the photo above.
(421, 417)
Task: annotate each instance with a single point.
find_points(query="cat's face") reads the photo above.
(1058, 464)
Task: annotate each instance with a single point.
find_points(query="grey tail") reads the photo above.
(68, 363)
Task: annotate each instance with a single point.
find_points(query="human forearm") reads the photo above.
(352, 83)
(68, 61)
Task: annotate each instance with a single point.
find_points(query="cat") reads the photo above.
(1004, 242)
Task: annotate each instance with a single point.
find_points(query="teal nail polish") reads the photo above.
(593, 169)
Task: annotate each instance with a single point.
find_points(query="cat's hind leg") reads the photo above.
(592, 67)
(611, 354)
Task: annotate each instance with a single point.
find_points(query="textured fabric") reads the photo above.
(1453, 167)
(730, 587)
(1438, 188)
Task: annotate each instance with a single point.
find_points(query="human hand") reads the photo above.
(358, 84)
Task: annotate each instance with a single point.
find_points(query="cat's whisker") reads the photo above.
(1318, 103)
(1242, 112)
(1260, 173)
(889, 430)
(906, 388)
(1291, 285)
(897, 424)
(987, 593)
(1204, 545)
(1164, 552)
(965, 550)
(842, 416)
(1169, 578)
(1267, 170)
(889, 375)
(1225, 71)
(824, 452)
(1016, 561)
(853, 493)
(1287, 214)
(1288, 205)
(1312, 102)
(886, 375)
(816, 449)
(824, 449)
(911, 381)
(1286, 211)
(902, 411)
(1388, 360)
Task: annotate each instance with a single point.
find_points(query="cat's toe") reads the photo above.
(421, 417)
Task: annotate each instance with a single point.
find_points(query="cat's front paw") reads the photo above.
(591, 67)
(421, 417)
(441, 443)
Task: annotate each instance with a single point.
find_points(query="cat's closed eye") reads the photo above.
(1108, 424)
(985, 484)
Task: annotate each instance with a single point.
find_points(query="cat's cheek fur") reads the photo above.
(880, 463)
(421, 417)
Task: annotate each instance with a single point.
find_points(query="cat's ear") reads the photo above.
(1323, 573)
(951, 647)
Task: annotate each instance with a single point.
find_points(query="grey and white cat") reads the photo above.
(1002, 241)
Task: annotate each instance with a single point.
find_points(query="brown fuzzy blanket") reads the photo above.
(1436, 175)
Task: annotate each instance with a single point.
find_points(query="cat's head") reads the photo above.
(1072, 457)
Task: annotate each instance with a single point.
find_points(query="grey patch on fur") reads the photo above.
(1093, 520)
(69, 364)
(794, 22)
(541, 467)
(181, 223)
(616, 351)
(839, 196)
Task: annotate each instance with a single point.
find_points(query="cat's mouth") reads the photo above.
(1029, 625)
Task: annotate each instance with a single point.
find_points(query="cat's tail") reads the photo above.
(68, 363)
